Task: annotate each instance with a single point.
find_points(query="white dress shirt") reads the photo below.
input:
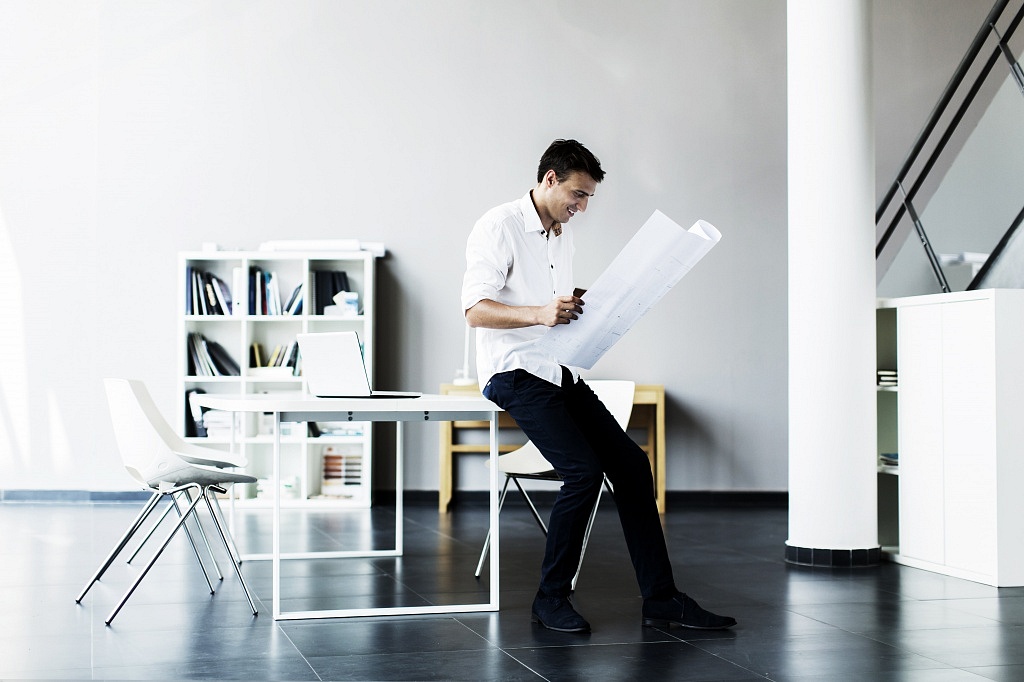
(511, 259)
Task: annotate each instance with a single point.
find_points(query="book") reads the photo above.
(188, 289)
(252, 289)
(198, 355)
(199, 293)
(291, 354)
(294, 301)
(222, 294)
(273, 295)
(222, 360)
(255, 355)
(209, 358)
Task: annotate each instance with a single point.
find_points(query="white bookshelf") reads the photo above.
(302, 454)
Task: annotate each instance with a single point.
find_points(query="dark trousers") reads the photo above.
(582, 441)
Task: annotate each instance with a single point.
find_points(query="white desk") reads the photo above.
(295, 407)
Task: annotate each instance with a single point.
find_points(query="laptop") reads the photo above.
(333, 366)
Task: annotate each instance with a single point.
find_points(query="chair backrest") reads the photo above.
(617, 396)
(149, 447)
(141, 432)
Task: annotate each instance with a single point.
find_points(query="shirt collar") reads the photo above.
(531, 220)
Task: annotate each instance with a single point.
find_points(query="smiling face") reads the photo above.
(557, 202)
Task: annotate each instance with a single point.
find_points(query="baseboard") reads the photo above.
(73, 496)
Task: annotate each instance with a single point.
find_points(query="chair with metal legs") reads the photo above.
(528, 463)
(168, 466)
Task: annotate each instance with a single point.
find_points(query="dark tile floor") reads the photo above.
(883, 623)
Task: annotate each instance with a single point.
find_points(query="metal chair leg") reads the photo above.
(142, 543)
(167, 510)
(533, 508)
(590, 526)
(236, 556)
(487, 540)
(152, 561)
(224, 535)
(540, 522)
(206, 541)
(192, 542)
(132, 529)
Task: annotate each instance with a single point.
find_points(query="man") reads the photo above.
(518, 283)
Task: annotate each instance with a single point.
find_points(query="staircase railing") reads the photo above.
(934, 167)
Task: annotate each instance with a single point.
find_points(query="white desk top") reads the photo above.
(429, 407)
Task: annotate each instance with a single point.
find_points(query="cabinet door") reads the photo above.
(969, 434)
(921, 495)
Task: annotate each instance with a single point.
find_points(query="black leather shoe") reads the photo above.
(557, 613)
(683, 611)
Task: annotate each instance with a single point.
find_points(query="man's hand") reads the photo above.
(493, 315)
(561, 310)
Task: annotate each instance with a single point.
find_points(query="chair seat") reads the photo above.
(526, 461)
(203, 476)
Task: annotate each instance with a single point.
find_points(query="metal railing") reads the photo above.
(959, 133)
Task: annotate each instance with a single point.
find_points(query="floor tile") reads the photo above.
(888, 622)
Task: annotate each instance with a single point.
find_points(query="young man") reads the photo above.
(518, 283)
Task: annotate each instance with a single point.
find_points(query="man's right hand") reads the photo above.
(561, 310)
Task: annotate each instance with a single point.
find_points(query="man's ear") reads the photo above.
(550, 178)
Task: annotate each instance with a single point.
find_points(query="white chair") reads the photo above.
(527, 462)
(168, 466)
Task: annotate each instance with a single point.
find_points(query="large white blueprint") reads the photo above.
(657, 257)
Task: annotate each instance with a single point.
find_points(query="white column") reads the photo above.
(832, 412)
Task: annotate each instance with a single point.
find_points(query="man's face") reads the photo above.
(569, 197)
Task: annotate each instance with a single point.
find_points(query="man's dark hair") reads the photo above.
(567, 156)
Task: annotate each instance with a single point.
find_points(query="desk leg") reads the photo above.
(276, 482)
(232, 491)
(495, 550)
(659, 451)
(445, 473)
(399, 487)
(275, 552)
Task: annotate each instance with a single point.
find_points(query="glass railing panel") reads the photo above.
(977, 196)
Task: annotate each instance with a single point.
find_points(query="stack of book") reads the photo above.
(265, 294)
(208, 358)
(206, 294)
(887, 377)
(283, 355)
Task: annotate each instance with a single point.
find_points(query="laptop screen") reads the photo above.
(332, 363)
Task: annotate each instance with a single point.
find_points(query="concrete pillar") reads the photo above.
(832, 411)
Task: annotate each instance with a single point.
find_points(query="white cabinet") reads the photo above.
(329, 467)
(961, 434)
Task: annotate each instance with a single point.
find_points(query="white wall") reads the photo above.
(130, 131)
